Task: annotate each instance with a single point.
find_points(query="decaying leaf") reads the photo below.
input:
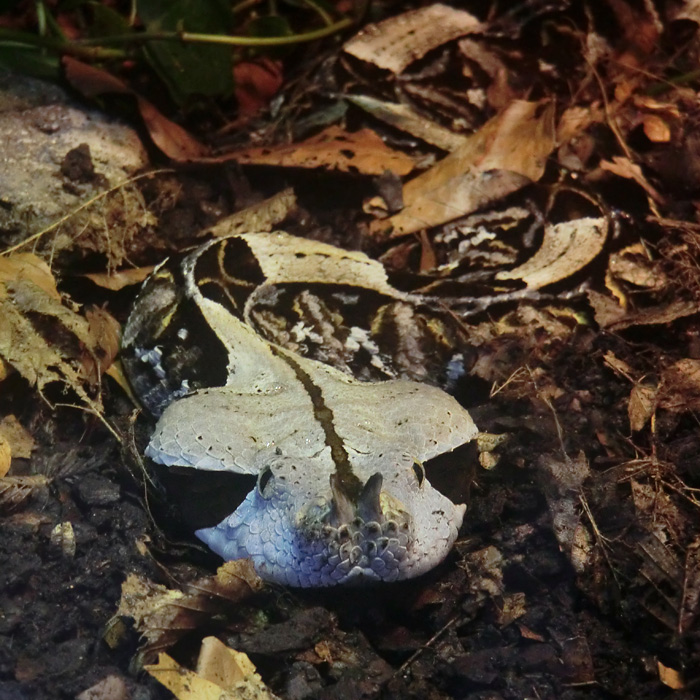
(563, 481)
(633, 265)
(398, 41)
(222, 674)
(641, 405)
(690, 602)
(406, 119)
(38, 358)
(115, 281)
(566, 248)
(15, 441)
(5, 455)
(664, 313)
(624, 167)
(168, 136)
(361, 151)
(670, 677)
(15, 490)
(680, 386)
(163, 615)
(30, 267)
(258, 217)
(111, 687)
(508, 152)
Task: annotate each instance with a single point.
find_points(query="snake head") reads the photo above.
(311, 533)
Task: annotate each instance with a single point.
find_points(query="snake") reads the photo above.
(326, 421)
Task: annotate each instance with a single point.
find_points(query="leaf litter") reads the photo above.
(583, 350)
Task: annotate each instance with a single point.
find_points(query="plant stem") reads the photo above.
(194, 38)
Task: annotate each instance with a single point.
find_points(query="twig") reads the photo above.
(427, 645)
(70, 214)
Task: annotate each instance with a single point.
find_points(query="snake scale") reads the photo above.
(341, 495)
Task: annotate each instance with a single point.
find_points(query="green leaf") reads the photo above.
(191, 69)
(29, 60)
(106, 21)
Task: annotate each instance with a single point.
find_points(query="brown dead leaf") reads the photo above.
(641, 405)
(406, 119)
(111, 687)
(231, 670)
(398, 41)
(36, 358)
(264, 216)
(105, 334)
(664, 313)
(670, 677)
(115, 281)
(234, 674)
(656, 128)
(15, 490)
(361, 151)
(163, 615)
(680, 386)
(28, 266)
(566, 248)
(20, 441)
(690, 603)
(256, 84)
(5, 455)
(624, 167)
(633, 265)
(174, 141)
(508, 152)
(606, 309)
(512, 606)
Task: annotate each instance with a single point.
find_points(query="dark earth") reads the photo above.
(576, 574)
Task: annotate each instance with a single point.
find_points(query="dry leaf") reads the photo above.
(406, 119)
(230, 669)
(566, 248)
(508, 152)
(105, 334)
(399, 41)
(632, 264)
(624, 167)
(20, 441)
(361, 151)
(188, 685)
(115, 281)
(163, 615)
(5, 455)
(680, 386)
(109, 688)
(690, 603)
(661, 314)
(656, 128)
(256, 83)
(606, 309)
(670, 677)
(169, 137)
(264, 216)
(641, 405)
(27, 351)
(28, 266)
(15, 490)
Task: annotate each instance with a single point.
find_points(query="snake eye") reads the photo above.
(263, 480)
(419, 472)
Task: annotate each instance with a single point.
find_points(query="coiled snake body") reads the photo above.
(341, 494)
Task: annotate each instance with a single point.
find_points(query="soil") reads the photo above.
(576, 573)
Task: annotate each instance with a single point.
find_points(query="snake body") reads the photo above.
(341, 494)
